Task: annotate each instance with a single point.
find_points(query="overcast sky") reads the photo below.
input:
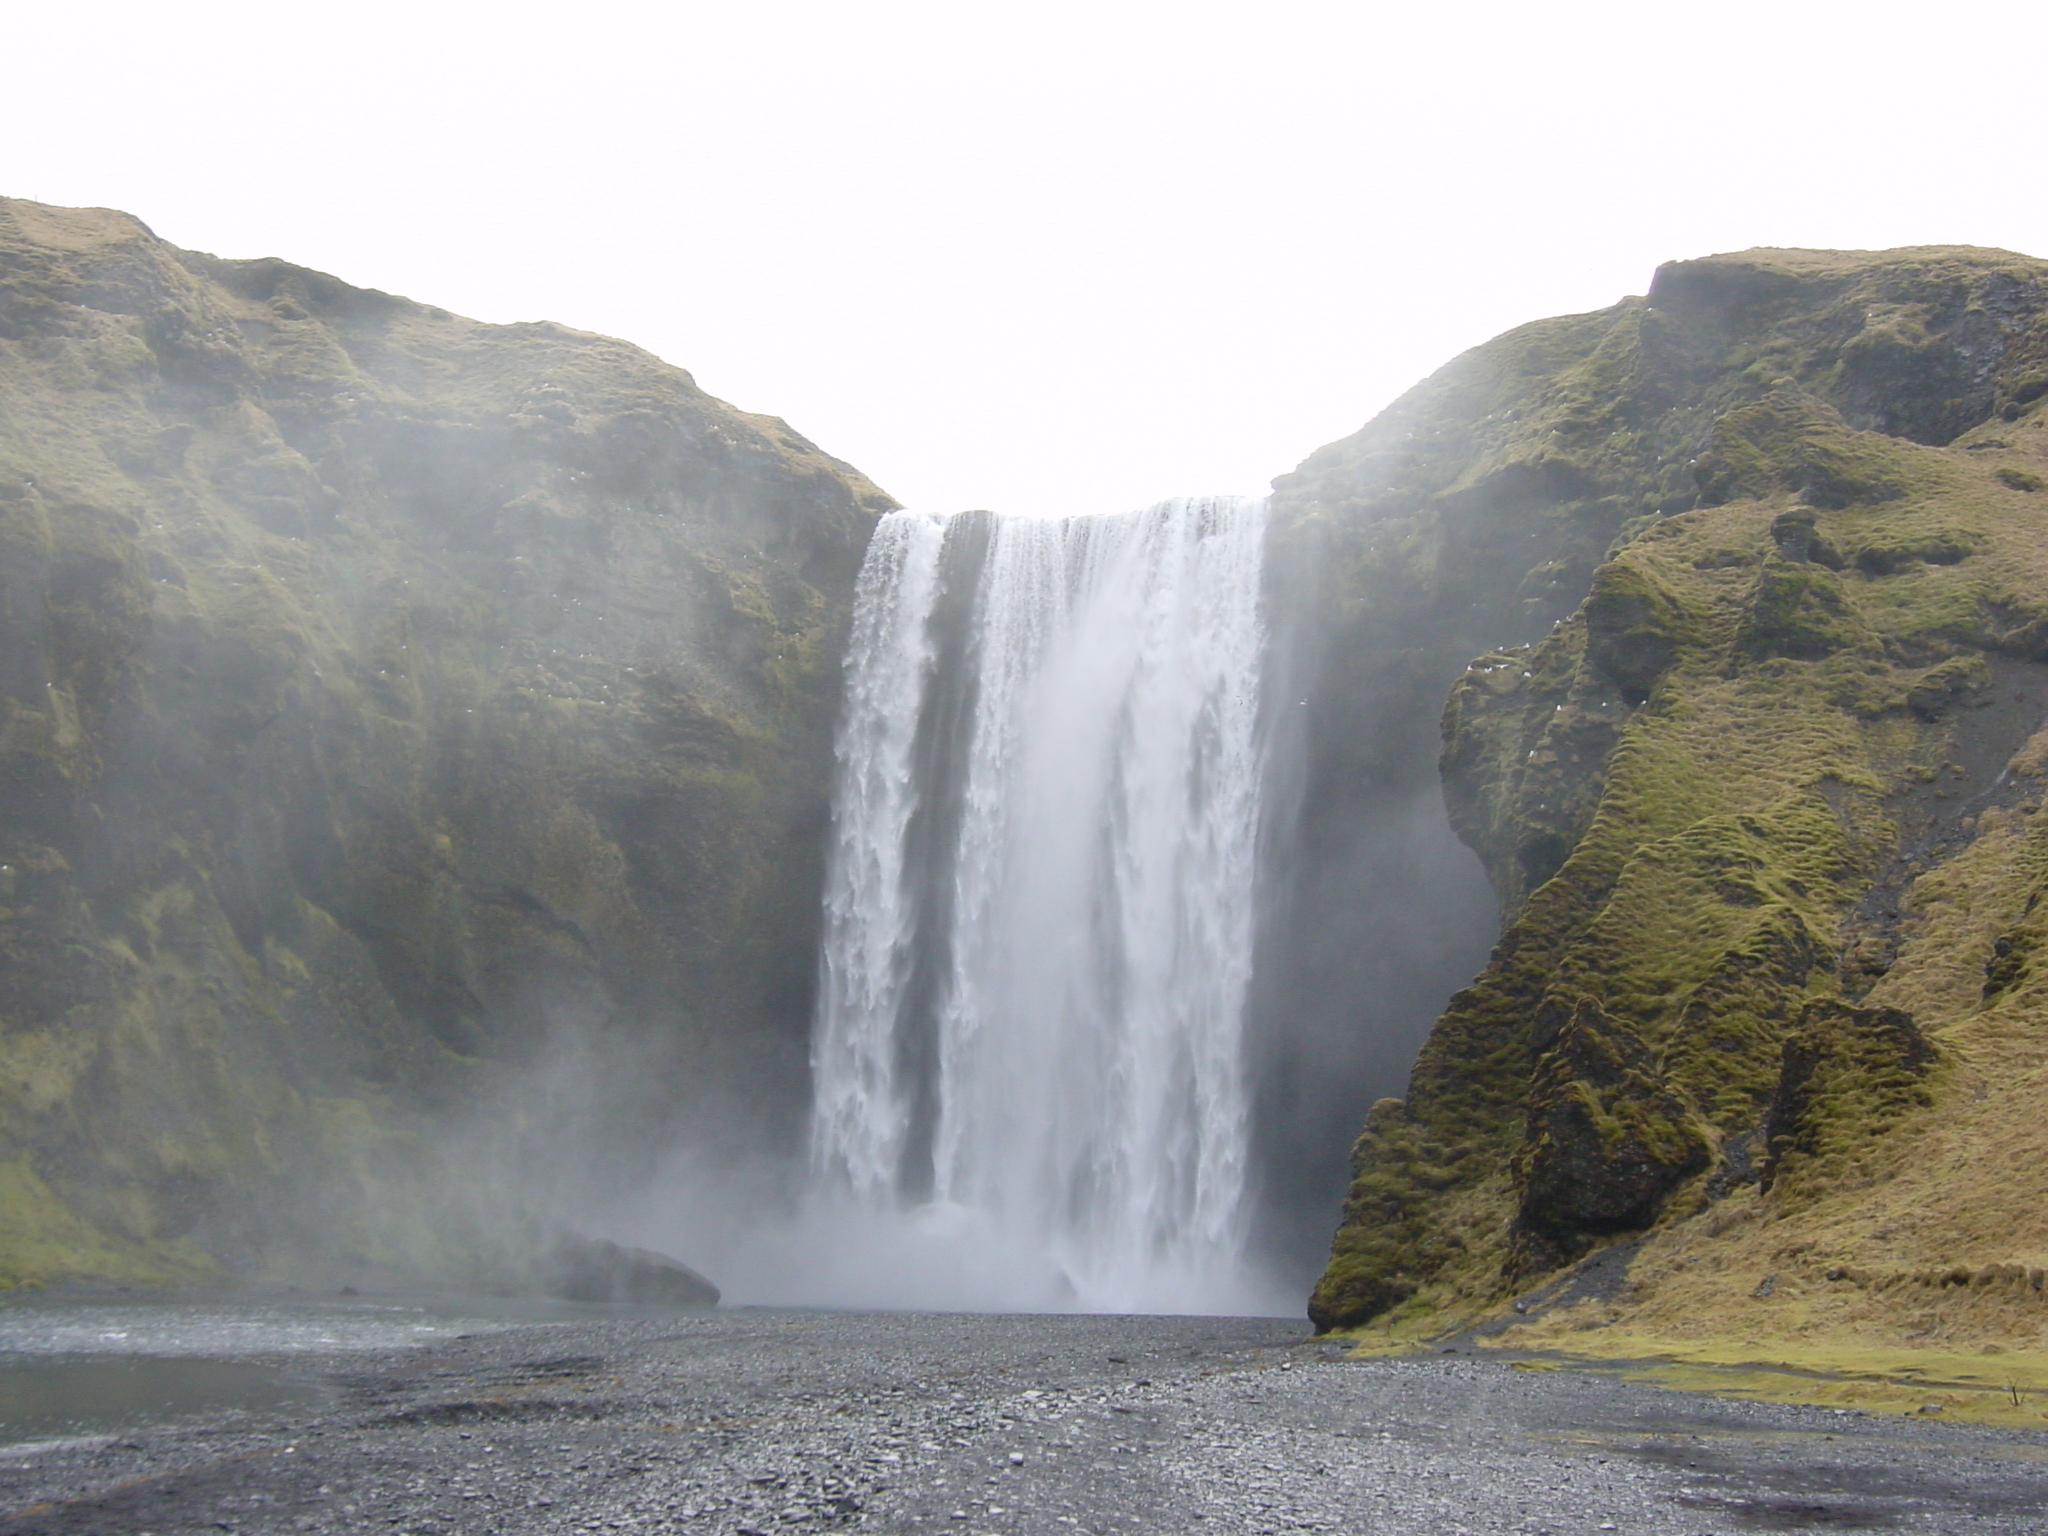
(1046, 256)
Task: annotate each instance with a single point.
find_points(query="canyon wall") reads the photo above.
(414, 751)
(415, 743)
(1740, 591)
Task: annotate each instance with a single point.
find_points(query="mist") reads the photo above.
(997, 677)
(468, 868)
(996, 680)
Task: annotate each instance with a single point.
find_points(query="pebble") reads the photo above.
(743, 1423)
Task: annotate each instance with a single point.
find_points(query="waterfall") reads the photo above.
(1038, 921)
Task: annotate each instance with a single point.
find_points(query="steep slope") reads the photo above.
(414, 741)
(1759, 811)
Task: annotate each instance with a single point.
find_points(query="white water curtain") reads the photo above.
(1085, 1081)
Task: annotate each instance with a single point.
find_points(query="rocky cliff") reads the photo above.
(1739, 595)
(414, 739)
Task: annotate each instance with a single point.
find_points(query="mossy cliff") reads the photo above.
(405, 723)
(1750, 580)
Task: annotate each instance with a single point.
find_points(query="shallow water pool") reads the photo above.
(60, 1397)
(71, 1368)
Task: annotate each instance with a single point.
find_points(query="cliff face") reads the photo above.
(1750, 578)
(404, 722)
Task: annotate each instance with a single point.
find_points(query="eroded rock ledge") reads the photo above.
(1755, 570)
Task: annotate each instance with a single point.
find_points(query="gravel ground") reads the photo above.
(762, 1422)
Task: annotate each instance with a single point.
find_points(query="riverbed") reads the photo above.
(452, 1418)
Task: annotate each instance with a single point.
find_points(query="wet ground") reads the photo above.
(756, 1422)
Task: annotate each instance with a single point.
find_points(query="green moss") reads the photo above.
(1791, 442)
(43, 1241)
(1682, 794)
(1800, 611)
(1606, 1142)
(1634, 628)
(1848, 1075)
(422, 697)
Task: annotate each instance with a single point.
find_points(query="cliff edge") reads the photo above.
(1747, 580)
(414, 750)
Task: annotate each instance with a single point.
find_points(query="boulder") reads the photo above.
(591, 1269)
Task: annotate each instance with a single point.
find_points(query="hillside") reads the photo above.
(1747, 584)
(414, 750)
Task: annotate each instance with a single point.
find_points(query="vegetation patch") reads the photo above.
(1981, 1387)
(1753, 810)
(391, 704)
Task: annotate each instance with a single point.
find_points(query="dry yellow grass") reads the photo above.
(1814, 801)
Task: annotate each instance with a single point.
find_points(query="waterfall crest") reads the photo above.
(1038, 922)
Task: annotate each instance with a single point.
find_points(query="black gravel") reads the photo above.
(763, 1422)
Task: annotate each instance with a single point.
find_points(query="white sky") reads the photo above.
(1050, 256)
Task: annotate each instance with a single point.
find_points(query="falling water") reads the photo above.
(1038, 923)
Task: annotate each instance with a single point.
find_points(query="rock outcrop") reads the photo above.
(1750, 580)
(588, 1270)
(414, 746)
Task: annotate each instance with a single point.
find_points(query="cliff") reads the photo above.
(1739, 595)
(414, 750)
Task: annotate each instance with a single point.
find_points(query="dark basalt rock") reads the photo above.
(1607, 1141)
(589, 1269)
(1848, 1073)
(1799, 610)
(1633, 630)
